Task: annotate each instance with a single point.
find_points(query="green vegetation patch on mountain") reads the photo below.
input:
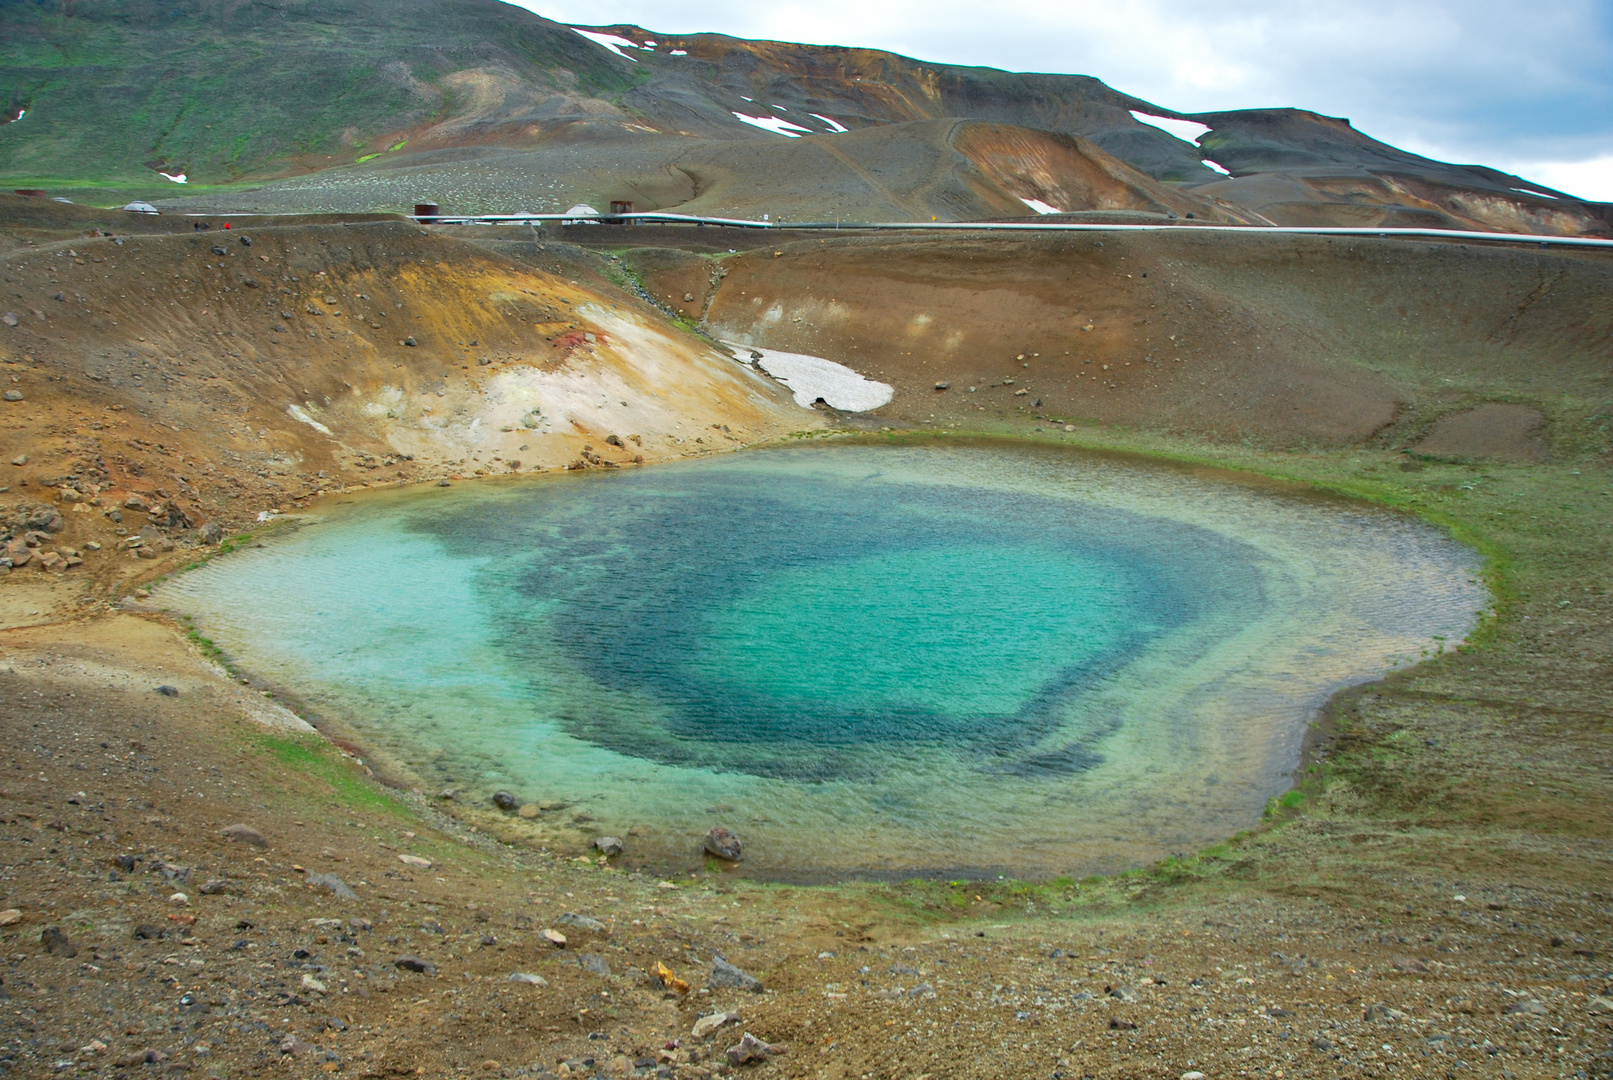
(224, 90)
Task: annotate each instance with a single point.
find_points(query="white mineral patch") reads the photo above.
(813, 377)
(1186, 130)
(299, 413)
(1041, 207)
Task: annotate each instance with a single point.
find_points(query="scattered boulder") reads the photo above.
(12, 395)
(1381, 1011)
(291, 1046)
(721, 842)
(10, 917)
(1600, 1005)
(582, 922)
(1121, 993)
(725, 976)
(750, 1048)
(415, 861)
(245, 834)
(528, 978)
(330, 881)
(168, 691)
(1117, 1024)
(555, 938)
(57, 943)
(1525, 1007)
(593, 962)
(608, 845)
(211, 533)
(219, 887)
(709, 1025)
(528, 811)
(415, 964)
(505, 801)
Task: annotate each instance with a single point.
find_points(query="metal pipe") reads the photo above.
(1033, 226)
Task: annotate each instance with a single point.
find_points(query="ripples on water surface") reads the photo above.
(863, 659)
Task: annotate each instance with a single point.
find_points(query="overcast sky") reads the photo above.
(1526, 87)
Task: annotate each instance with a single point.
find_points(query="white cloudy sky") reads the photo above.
(1527, 87)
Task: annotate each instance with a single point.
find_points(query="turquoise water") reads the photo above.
(862, 659)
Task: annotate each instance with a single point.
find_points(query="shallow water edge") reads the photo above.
(1096, 857)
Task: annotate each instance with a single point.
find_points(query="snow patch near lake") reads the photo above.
(812, 377)
(1041, 207)
(609, 41)
(1217, 167)
(1186, 130)
(774, 124)
(835, 126)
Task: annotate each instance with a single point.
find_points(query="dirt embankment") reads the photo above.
(1289, 340)
(159, 383)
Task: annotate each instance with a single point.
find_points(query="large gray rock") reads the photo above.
(725, 976)
(335, 884)
(244, 834)
(581, 922)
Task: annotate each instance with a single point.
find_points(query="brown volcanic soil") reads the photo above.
(1291, 340)
(1446, 855)
(213, 388)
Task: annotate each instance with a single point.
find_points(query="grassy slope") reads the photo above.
(233, 90)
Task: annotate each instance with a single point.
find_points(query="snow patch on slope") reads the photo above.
(1186, 130)
(773, 124)
(812, 377)
(609, 41)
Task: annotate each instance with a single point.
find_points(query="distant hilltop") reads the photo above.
(360, 105)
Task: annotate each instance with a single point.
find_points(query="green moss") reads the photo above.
(312, 758)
